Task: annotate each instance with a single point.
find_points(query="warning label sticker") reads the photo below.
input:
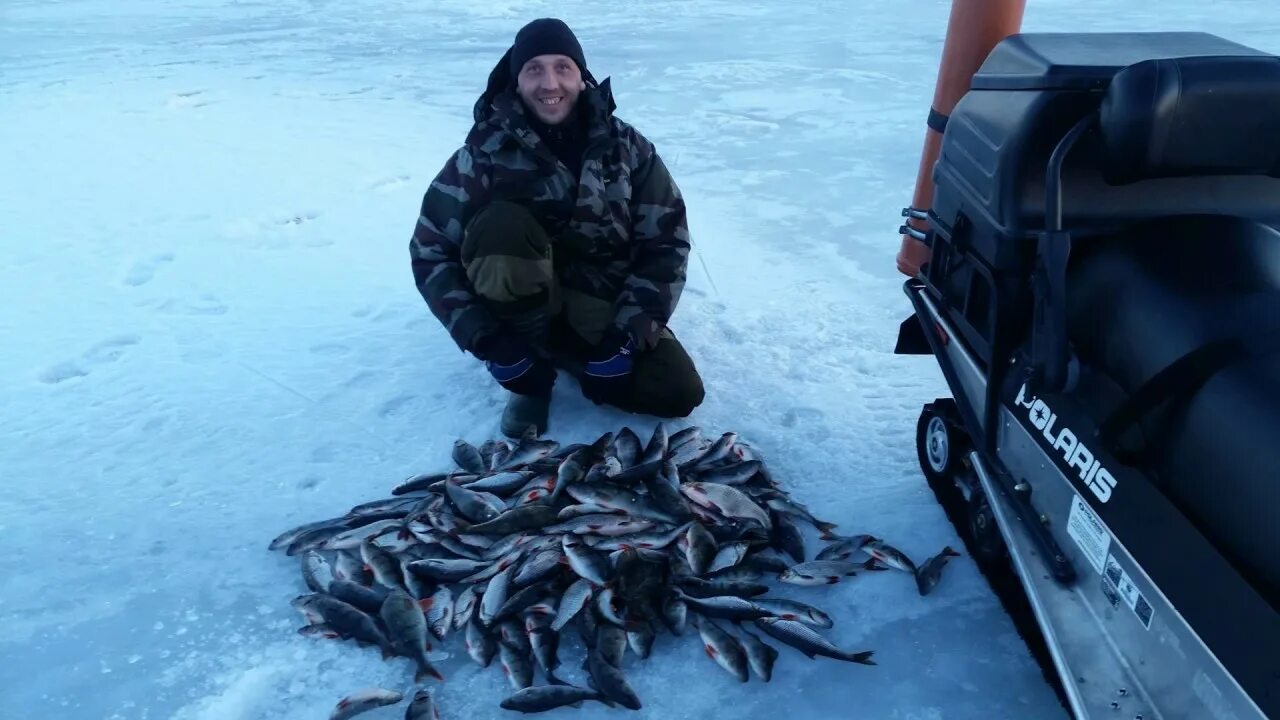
(1127, 591)
(1086, 530)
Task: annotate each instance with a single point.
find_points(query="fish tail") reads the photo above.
(428, 671)
(862, 658)
(922, 586)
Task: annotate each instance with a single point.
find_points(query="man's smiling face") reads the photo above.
(549, 85)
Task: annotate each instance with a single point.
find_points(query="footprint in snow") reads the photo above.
(362, 379)
(811, 423)
(389, 184)
(299, 218)
(105, 351)
(418, 323)
(205, 304)
(190, 99)
(143, 271)
(110, 350)
(62, 371)
(387, 313)
(798, 415)
(396, 406)
(732, 334)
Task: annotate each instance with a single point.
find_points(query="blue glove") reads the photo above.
(514, 365)
(607, 377)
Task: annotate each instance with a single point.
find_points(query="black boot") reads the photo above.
(523, 411)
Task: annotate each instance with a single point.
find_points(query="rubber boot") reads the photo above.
(523, 411)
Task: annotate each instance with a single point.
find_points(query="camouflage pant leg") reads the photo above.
(508, 259)
(665, 381)
(587, 316)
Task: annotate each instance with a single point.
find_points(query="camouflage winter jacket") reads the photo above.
(619, 233)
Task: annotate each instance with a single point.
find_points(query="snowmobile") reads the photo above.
(1102, 295)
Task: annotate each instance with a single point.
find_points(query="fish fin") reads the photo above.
(949, 552)
(825, 530)
(873, 564)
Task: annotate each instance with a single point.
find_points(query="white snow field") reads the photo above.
(211, 333)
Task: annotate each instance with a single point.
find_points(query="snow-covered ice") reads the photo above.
(211, 332)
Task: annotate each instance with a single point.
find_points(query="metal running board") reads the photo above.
(1085, 655)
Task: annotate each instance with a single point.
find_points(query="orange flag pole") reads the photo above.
(975, 27)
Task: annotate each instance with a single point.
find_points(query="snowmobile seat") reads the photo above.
(1174, 116)
(1183, 312)
(1169, 205)
(1188, 118)
(1165, 290)
(1192, 117)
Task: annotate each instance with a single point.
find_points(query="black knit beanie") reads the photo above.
(545, 36)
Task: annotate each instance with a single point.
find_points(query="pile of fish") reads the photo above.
(616, 541)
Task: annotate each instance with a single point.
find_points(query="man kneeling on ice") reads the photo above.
(555, 236)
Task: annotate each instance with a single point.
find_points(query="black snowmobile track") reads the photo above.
(1002, 580)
